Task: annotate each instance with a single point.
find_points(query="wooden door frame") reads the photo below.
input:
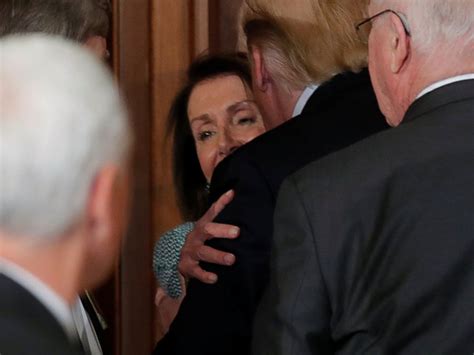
(141, 64)
(134, 294)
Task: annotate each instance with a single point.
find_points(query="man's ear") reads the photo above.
(106, 217)
(98, 46)
(261, 75)
(399, 45)
(100, 205)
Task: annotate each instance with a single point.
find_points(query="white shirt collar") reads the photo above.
(58, 307)
(85, 329)
(445, 82)
(303, 99)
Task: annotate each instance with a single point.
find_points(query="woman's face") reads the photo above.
(222, 116)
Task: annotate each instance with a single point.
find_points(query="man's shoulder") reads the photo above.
(341, 112)
(338, 174)
(266, 153)
(384, 153)
(336, 101)
(26, 326)
(345, 172)
(341, 98)
(18, 336)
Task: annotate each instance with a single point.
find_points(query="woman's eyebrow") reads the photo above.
(205, 118)
(239, 105)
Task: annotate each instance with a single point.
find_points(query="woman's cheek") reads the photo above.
(206, 156)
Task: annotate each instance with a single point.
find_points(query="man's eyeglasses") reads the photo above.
(363, 28)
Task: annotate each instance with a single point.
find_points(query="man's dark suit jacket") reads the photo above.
(374, 245)
(27, 327)
(217, 319)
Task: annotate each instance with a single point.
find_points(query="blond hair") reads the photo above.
(306, 43)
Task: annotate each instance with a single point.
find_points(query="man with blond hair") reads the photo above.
(374, 244)
(309, 82)
(64, 146)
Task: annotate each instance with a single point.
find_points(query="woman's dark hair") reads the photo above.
(188, 177)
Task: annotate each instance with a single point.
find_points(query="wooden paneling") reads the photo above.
(171, 55)
(223, 18)
(107, 297)
(200, 26)
(152, 44)
(136, 291)
(172, 49)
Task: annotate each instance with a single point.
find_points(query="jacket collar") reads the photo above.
(329, 92)
(454, 92)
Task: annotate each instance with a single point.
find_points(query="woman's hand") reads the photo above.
(194, 249)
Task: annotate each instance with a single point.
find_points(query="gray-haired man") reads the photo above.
(86, 22)
(64, 146)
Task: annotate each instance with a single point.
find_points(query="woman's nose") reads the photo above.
(228, 143)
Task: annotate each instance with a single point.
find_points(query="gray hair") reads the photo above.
(61, 121)
(436, 21)
(73, 19)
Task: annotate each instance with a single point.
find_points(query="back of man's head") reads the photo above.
(448, 24)
(61, 121)
(73, 19)
(414, 44)
(308, 41)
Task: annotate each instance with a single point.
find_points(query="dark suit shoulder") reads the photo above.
(438, 128)
(394, 238)
(335, 103)
(339, 113)
(26, 326)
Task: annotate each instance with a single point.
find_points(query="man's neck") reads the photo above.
(57, 265)
(436, 68)
(288, 101)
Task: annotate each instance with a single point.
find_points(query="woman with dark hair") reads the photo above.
(211, 116)
(229, 70)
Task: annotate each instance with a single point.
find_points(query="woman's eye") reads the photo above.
(246, 120)
(205, 135)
